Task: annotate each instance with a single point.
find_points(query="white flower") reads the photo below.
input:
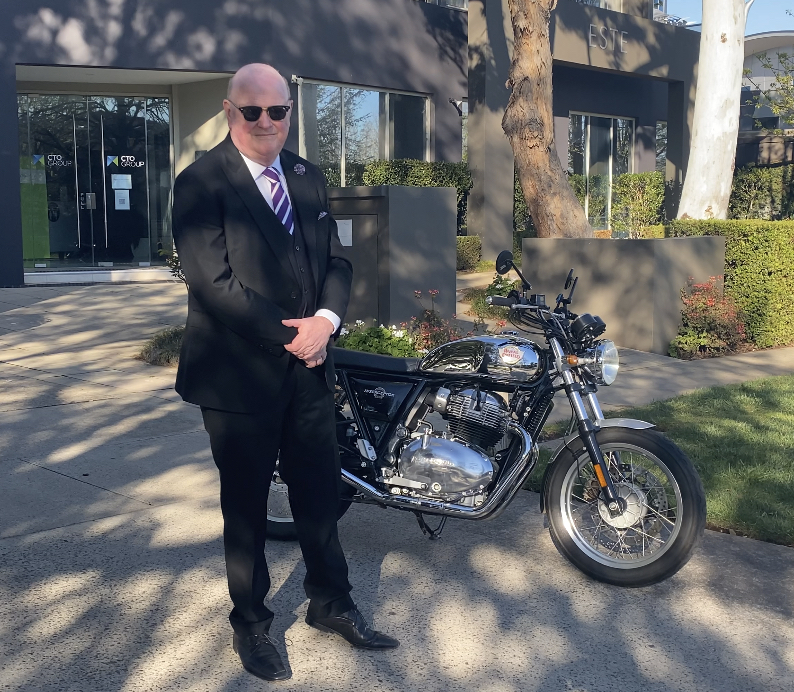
(359, 322)
(393, 327)
(382, 327)
(343, 331)
(399, 333)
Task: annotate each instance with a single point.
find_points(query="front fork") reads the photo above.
(588, 428)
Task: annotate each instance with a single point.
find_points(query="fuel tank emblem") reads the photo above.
(510, 354)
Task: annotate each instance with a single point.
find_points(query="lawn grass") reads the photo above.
(741, 440)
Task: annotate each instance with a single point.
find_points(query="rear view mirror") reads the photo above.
(569, 279)
(504, 262)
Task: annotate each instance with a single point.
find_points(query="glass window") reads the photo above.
(599, 148)
(364, 112)
(407, 126)
(661, 146)
(464, 126)
(373, 125)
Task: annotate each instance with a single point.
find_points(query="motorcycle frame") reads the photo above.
(521, 458)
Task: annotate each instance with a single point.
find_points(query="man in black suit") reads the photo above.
(268, 286)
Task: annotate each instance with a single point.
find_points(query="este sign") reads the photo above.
(607, 39)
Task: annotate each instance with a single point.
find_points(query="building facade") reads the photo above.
(104, 103)
(762, 137)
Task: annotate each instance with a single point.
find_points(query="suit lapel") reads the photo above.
(304, 200)
(270, 226)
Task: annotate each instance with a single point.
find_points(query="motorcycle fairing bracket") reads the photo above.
(630, 423)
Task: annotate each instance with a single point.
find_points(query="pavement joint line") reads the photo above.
(73, 377)
(110, 516)
(80, 480)
(67, 403)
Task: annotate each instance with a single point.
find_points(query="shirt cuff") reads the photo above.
(331, 316)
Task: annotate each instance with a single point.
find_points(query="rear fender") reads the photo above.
(569, 441)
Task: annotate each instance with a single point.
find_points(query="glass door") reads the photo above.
(95, 177)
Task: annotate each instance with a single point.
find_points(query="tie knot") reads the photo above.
(271, 174)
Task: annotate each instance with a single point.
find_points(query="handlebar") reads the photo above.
(500, 301)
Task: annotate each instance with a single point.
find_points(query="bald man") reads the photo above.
(269, 284)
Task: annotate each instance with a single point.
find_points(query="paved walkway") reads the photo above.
(111, 569)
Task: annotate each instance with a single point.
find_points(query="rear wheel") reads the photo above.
(280, 524)
(665, 508)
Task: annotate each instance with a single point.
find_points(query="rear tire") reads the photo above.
(657, 534)
(280, 524)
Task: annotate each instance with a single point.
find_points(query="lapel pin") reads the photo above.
(300, 169)
(322, 213)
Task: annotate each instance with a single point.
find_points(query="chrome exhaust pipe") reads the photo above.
(495, 504)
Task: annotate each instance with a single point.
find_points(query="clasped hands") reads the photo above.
(312, 339)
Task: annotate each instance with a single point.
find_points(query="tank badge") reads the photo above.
(510, 354)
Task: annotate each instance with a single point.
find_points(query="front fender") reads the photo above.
(566, 442)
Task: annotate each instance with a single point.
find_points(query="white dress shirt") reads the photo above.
(263, 184)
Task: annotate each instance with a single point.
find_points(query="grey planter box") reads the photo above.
(633, 285)
(403, 240)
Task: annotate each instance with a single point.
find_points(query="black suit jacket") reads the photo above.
(234, 253)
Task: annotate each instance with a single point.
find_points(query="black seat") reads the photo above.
(360, 360)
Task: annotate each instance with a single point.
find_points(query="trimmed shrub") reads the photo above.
(163, 348)
(637, 202)
(759, 272)
(762, 193)
(423, 174)
(469, 252)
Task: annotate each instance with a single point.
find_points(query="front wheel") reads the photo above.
(665, 508)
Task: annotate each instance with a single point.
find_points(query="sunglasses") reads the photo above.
(253, 113)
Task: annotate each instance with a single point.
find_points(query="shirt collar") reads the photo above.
(256, 169)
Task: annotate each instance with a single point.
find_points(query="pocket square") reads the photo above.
(322, 213)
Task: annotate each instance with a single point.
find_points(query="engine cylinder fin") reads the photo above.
(477, 418)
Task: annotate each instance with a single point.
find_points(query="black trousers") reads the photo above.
(300, 429)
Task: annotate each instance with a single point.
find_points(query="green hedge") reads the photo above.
(469, 252)
(759, 272)
(423, 174)
(762, 193)
(637, 201)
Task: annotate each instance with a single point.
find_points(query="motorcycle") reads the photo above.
(454, 434)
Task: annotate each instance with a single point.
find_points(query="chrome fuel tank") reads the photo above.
(502, 357)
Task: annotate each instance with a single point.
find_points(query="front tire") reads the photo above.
(664, 519)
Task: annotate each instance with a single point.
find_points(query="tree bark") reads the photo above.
(529, 125)
(715, 128)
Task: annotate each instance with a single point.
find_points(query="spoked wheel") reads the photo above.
(280, 524)
(664, 517)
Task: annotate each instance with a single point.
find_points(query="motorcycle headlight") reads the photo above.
(605, 362)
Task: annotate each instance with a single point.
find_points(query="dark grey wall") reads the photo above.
(587, 91)
(633, 285)
(399, 44)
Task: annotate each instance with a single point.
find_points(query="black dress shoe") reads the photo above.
(354, 628)
(259, 656)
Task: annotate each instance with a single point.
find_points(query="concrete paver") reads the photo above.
(115, 580)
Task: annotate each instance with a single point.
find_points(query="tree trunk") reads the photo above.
(712, 154)
(529, 125)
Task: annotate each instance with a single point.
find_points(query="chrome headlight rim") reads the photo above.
(606, 362)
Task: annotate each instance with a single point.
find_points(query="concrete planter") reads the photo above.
(401, 239)
(633, 285)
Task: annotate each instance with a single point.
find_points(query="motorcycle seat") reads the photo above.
(361, 360)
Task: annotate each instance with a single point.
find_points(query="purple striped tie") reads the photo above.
(281, 205)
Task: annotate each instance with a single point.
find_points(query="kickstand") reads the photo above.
(432, 534)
